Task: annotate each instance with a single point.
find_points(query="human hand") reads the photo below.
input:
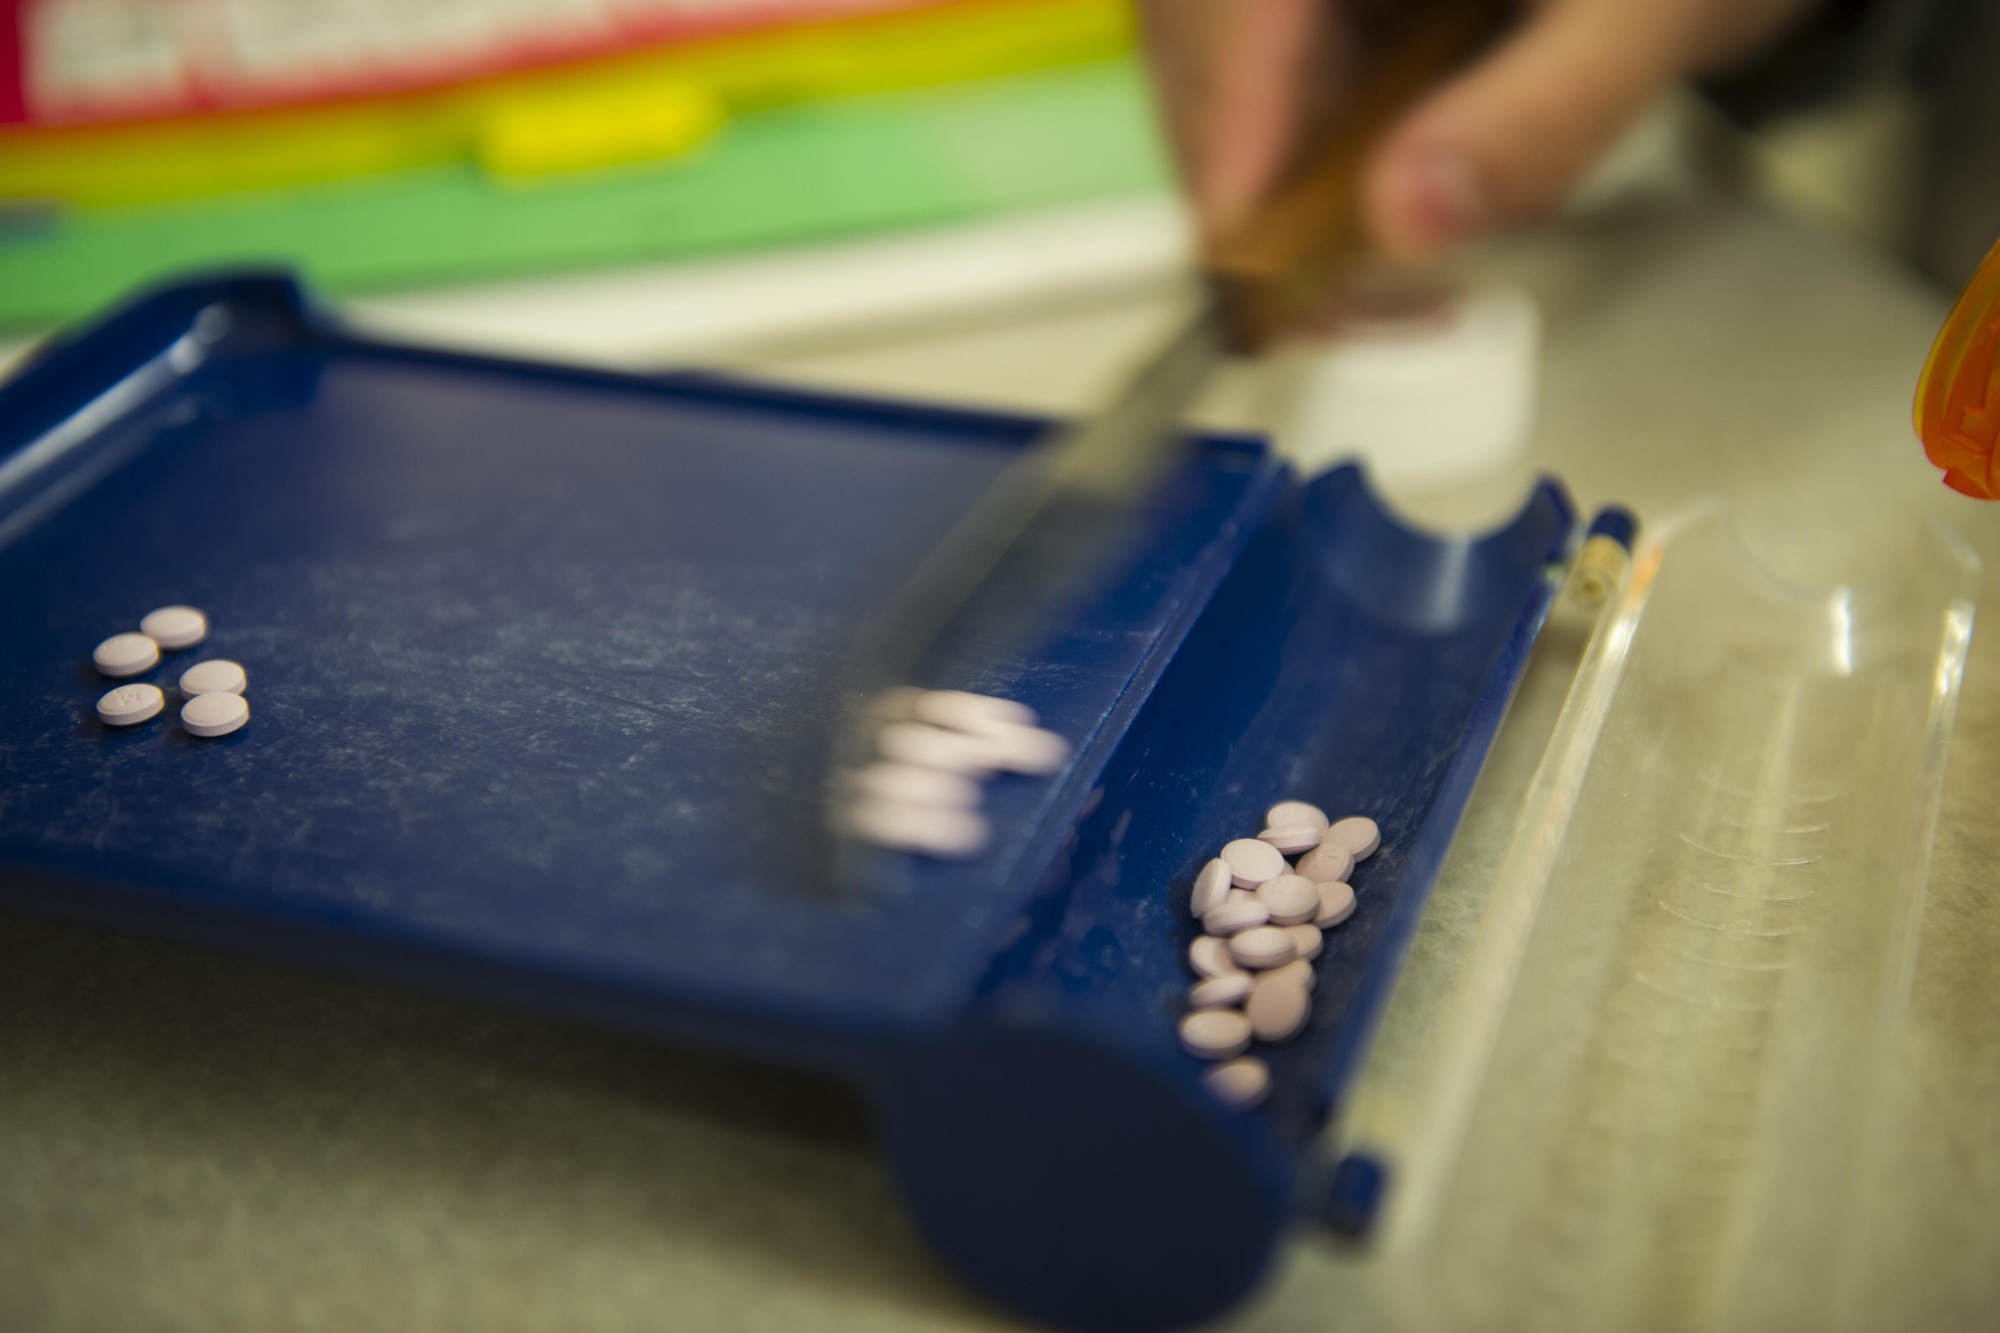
(1500, 141)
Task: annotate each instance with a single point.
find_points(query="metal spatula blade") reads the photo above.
(1044, 533)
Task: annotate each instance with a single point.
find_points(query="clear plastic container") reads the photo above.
(1654, 1096)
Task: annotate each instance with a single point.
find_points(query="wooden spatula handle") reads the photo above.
(1277, 269)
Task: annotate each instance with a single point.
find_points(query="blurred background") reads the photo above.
(384, 147)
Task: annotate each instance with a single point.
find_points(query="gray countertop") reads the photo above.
(200, 1142)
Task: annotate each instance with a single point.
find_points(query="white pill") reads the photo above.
(129, 705)
(1223, 992)
(1262, 947)
(1291, 841)
(1211, 888)
(1336, 904)
(1209, 957)
(175, 626)
(1277, 1008)
(1239, 1084)
(1252, 862)
(1298, 970)
(1358, 835)
(913, 785)
(214, 714)
(1240, 911)
(218, 674)
(1215, 1034)
(1328, 861)
(125, 655)
(1306, 939)
(1292, 899)
(1290, 814)
(1027, 750)
(965, 711)
(933, 747)
(930, 829)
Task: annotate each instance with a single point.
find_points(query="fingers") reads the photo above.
(1229, 74)
(1506, 139)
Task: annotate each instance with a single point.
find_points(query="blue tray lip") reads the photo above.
(67, 370)
(1440, 827)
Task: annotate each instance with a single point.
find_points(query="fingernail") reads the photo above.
(1440, 202)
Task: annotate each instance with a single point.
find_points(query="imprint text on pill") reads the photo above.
(129, 705)
(1329, 860)
(1292, 899)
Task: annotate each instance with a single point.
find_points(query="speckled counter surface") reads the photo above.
(196, 1142)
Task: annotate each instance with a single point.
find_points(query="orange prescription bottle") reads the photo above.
(1958, 395)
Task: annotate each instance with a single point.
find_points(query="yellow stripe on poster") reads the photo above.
(649, 105)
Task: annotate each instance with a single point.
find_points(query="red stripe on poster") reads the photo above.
(13, 76)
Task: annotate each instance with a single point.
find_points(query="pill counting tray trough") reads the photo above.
(541, 664)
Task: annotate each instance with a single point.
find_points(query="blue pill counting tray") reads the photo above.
(541, 666)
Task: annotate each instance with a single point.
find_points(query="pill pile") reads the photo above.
(1262, 917)
(212, 691)
(933, 751)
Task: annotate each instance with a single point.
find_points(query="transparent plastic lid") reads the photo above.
(1652, 1096)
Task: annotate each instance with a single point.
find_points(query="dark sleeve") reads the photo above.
(1835, 46)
